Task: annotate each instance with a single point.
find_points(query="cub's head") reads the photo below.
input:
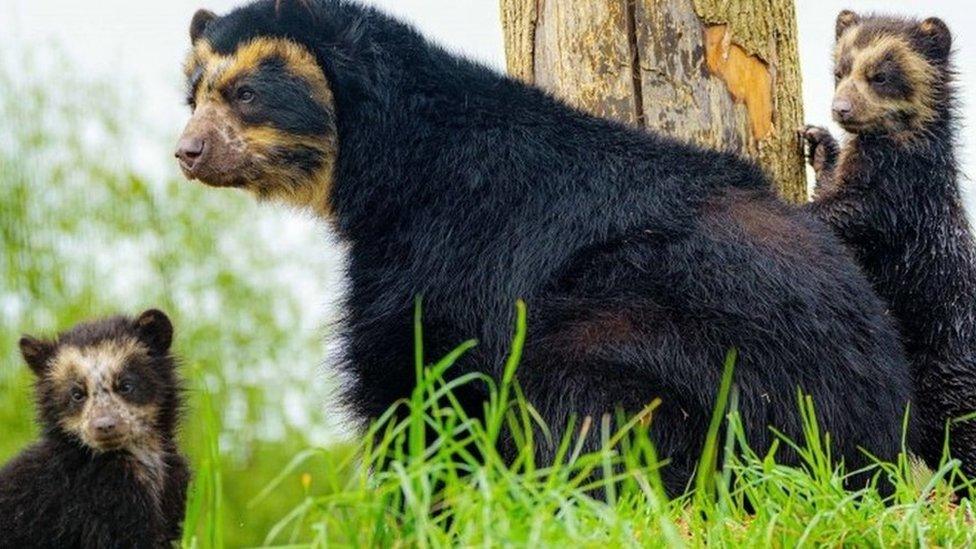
(891, 74)
(108, 384)
(263, 113)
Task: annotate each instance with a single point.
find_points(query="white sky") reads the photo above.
(145, 41)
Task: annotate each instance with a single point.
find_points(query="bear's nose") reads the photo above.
(842, 109)
(189, 151)
(105, 425)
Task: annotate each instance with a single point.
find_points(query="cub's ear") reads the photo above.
(155, 330)
(936, 40)
(845, 20)
(36, 353)
(199, 23)
(292, 8)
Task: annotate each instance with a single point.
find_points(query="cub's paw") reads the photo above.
(821, 149)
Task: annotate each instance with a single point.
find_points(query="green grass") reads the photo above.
(85, 234)
(454, 489)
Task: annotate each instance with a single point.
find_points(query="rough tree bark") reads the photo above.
(720, 73)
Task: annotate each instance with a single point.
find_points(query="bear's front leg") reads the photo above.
(822, 152)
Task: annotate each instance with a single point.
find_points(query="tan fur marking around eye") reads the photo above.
(220, 70)
(299, 61)
(277, 181)
(918, 71)
(95, 368)
(93, 365)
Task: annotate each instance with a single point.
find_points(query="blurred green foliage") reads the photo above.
(84, 233)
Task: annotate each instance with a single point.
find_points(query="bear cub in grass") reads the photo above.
(891, 193)
(107, 471)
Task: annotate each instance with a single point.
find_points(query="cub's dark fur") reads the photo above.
(643, 260)
(891, 193)
(106, 471)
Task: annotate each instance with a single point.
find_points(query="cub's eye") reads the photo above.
(879, 78)
(245, 95)
(125, 387)
(77, 394)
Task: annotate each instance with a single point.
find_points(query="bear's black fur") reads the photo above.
(643, 260)
(892, 195)
(60, 492)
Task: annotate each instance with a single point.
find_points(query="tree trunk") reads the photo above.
(721, 74)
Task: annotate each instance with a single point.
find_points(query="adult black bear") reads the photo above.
(642, 259)
(892, 196)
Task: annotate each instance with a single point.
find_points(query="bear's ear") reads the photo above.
(845, 20)
(36, 353)
(292, 9)
(199, 23)
(155, 330)
(936, 40)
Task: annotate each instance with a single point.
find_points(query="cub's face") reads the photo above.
(107, 393)
(887, 73)
(262, 119)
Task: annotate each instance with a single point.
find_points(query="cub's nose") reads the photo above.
(842, 109)
(105, 426)
(189, 151)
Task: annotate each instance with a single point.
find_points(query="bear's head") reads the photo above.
(891, 74)
(109, 384)
(263, 113)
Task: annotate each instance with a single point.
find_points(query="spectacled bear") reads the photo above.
(891, 193)
(642, 259)
(107, 471)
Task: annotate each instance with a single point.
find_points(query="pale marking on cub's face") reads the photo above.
(96, 370)
(876, 112)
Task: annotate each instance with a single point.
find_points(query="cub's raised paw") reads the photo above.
(821, 148)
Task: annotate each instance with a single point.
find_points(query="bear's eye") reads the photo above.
(77, 394)
(245, 95)
(879, 78)
(125, 387)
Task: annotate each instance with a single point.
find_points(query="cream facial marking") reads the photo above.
(268, 152)
(91, 374)
(858, 58)
(94, 365)
(210, 72)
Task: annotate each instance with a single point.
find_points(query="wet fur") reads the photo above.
(893, 198)
(642, 259)
(60, 492)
